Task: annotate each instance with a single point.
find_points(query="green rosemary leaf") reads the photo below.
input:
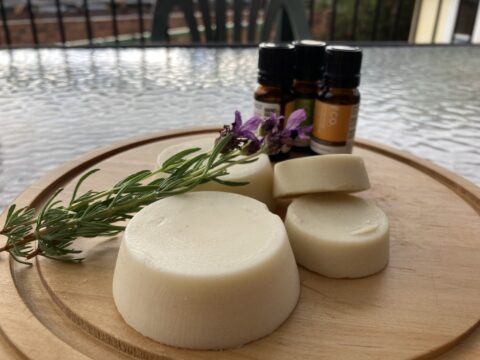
(63, 259)
(140, 189)
(100, 225)
(180, 171)
(17, 249)
(46, 206)
(92, 210)
(230, 183)
(134, 178)
(200, 162)
(10, 215)
(17, 218)
(178, 157)
(53, 204)
(85, 197)
(240, 161)
(54, 218)
(156, 182)
(118, 195)
(80, 182)
(217, 149)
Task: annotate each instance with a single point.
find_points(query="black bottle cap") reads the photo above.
(309, 60)
(275, 64)
(342, 66)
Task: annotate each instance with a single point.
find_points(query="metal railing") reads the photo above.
(387, 22)
(83, 12)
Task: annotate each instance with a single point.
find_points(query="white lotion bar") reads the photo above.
(258, 174)
(338, 235)
(320, 173)
(205, 270)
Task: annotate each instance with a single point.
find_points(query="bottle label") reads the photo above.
(264, 109)
(334, 125)
(333, 128)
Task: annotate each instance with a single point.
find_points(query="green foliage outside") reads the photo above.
(385, 26)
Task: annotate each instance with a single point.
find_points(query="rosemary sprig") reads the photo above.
(52, 230)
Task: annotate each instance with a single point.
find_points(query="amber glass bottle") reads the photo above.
(336, 107)
(308, 80)
(275, 78)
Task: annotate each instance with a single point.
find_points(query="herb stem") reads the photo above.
(96, 213)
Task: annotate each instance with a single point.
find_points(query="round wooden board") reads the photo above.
(422, 304)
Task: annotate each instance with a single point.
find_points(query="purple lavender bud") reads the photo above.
(242, 134)
(295, 119)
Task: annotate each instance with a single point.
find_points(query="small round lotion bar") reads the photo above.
(258, 174)
(320, 173)
(205, 270)
(338, 235)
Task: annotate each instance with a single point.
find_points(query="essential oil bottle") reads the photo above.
(308, 81)
(275, 78)
(336, 107)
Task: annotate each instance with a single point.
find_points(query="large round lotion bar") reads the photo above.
(205, 270)
(258, 174)
(321, 173)
(338, 235)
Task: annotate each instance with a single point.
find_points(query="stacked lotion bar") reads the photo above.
(214, 270)
(332, 233)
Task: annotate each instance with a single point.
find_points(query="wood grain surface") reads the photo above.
(424, 303)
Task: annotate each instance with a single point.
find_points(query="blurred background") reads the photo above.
(74, 23)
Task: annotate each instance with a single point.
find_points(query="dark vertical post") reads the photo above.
(355, 20)
(207, 23)
(61, 27)
(414, 22)
(285, 27)
(398, 15)
(6, 30)
(140, 20)
(333, 19)
(311, 17)
(33, 26)
(252, 20)
(237, 20)
(221, 20)
(476, 5)
(189, 13)
(88, 23)
(113, 7)
(376, 18)
(437, 16)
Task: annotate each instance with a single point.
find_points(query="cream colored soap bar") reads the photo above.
(205, 270)
(338, 235)
(258, 174)
(321, 173)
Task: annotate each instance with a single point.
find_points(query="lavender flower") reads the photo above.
(243, 134)
(275, 139)
(272, 138)
(294, 122)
